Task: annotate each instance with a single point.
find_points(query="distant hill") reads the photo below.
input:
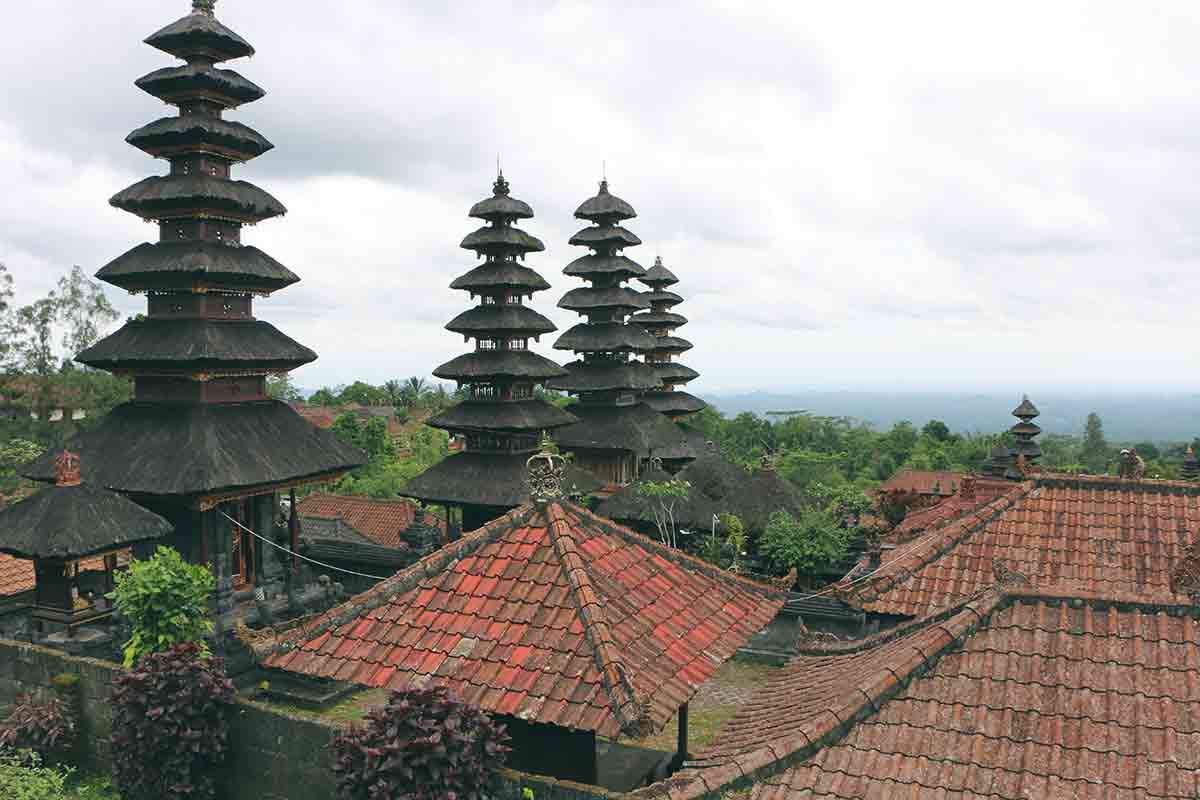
(1126, 417)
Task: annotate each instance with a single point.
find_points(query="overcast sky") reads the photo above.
(918, 195)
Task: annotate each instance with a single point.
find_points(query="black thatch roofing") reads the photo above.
(148, 448)
(598, 265)
(184, 265)
(499, 480)
(190, 344)
(658, 319)
(604, 376)
(599, 236)
(516, 415)
(75, 521)
(604, 337)
(381, 559)
(658, 275)
(588, 299)
(495, 364)
(173, 84)
(636, 428)
(671, 344)
(165, 196)
(501, 240)
(662, 296)
(501, 207)
(501, 318)
(605, 207)
(1026, 409)
(672, 403)
(493, 275)
(674, 372)
(200, 34)
(717, 486)
(199, 132)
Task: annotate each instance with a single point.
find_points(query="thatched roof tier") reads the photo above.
(672, 344)
(200, 82)
(514, 415)
(673, 372)
(1026, 409)
(200, 36)
(196, 264)
(615, 297)
(502, 241)
(605, 376)
(634, 428)
(492, 365)
(196, 344)
(604, 337)
(675, 403)
(501, 207)
(496, 480)
(659, 276)
(173, 196)
(605, 207)
(591, 267)
(70, 522)
(199, 133)
(658, 319)
(662, 298)
(497, 275)
(189, 450)
(498, 319)
(605, 236)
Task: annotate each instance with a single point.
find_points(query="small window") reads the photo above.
(489, 300)
(516, 344)
(487, 344)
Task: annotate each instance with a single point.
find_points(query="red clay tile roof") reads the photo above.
(983, 491)
(1010, 696)
(549, 613)
(1095, 535)
(381, 521)
(936, 482)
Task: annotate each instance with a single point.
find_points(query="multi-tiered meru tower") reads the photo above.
(501, 419)
(617, 433)
(201, 442)
(661, 322)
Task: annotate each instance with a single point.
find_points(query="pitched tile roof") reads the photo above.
(1017, 694)
(981, 491)
(381, 521)
(1096, 535)
(549, 613)
(936, 482)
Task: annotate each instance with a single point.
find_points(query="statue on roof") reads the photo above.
(1131, 465)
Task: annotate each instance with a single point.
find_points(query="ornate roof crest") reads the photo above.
(66, 469)
(204, 7)
(546, 471)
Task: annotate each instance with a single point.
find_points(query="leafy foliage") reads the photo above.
(166, 600)
(46, 728)
(662, 498)
(23, 777)
(813, 541)
(169, 725)
(422, 745)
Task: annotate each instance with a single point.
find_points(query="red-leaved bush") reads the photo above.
(422, 745)
(46, 728)
(169, 727)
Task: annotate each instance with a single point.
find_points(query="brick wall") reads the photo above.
(273, 755)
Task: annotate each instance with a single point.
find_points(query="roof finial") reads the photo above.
(547, 469)
(204, 7)
(66, 469)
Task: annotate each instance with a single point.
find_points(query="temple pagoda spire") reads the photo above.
(501, 419)
(661, 322)
(617, 433)
(1191, 465)
(201, 438)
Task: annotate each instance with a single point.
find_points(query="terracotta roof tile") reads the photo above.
(942, 483)
(381, 521)
(16, 574)
(565, 636)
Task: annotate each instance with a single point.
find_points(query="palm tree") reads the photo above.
(412, 392)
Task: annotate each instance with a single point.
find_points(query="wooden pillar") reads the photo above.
(294, 532)
(681, 748)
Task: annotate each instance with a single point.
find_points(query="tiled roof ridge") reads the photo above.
(1155, 485)
(680, 558)
(281, 638)
(865, 699)
(933, 545)
(631, 711)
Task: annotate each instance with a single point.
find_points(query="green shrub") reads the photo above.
(813, 541)
(22, 777)
(166, 601)
(421, 746)
(170, 730)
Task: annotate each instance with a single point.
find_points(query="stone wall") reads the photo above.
(273, 755)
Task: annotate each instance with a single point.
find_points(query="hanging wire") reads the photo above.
(298, 555)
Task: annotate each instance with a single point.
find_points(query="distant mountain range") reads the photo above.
(1126, 417)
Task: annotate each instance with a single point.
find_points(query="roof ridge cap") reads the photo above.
(631, 711)
(281, 638)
